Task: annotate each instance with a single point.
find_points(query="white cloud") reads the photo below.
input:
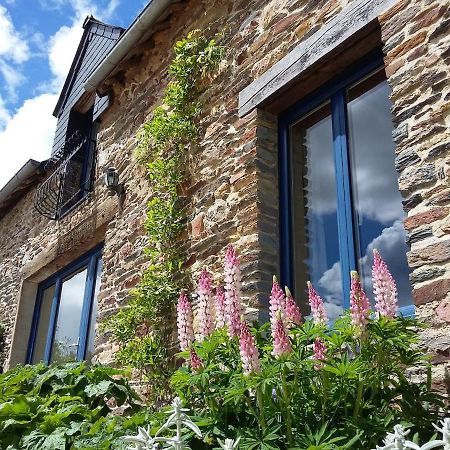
(13, 78)
(63, 44)
(13, 51)
(12, 46)
(28, 134)
(4, 114)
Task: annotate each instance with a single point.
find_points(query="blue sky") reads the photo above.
(38, 39)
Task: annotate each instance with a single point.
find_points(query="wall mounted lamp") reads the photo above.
(112, 182)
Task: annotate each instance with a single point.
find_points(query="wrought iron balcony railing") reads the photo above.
(71, 180)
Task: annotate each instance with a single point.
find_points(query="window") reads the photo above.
(338, 190)
(72, 168)
(66, 309)
(77, 172)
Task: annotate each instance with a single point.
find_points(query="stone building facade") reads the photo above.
(278, 52)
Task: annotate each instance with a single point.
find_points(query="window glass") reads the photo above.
(377, 202)
(67, 331)
(316, 249)
(341, 198)
(91, 336)
(43, 323)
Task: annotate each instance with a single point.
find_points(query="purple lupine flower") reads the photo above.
(281, 343)
(384, 288)
(233, 305)
(359, 303)
(248, 351)
(317, 306)
(205, 302)
(196, 362)
(184, 322)
(293, 315)
(277, 305)
(320, 350)
(221, 317)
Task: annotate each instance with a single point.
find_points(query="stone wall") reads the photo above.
(232, 188)
(417, 47)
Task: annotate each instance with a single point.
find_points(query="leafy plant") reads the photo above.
(64, 407)
(141, 329)
(359, 391)
(287, 384)
(2, 346)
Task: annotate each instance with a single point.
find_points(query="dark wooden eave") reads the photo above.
(20, 184)
(78, 59)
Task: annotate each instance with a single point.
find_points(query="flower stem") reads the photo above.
(287, 406)
(262, 417)
(359, 393)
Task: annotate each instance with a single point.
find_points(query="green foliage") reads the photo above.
(141, 328)
(64, 408)
(2, 346)
(348, 401)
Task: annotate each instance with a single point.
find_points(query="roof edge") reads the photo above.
(30, 168)
(149, 15)
(89, 20)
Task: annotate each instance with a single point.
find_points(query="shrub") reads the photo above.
(65, 407)
(287, 384)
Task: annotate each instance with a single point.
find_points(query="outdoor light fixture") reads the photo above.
(112, 182)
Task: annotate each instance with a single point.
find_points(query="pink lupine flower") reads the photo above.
(359, 303)
(196, 362)
(281, 343)
(205, 303)
(277, 305)
(320, 350)
(248, 351)
(293, 315)
(221, 317)
(317, 306)
(184, 322)
(232, 277)
(384, 288)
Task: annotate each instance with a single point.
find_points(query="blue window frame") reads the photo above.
(65, 312)
(323, 142)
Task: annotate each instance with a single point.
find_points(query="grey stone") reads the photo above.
(419, 235)
(405, 159)
(410, 180)
(400, 133)
(426, 273)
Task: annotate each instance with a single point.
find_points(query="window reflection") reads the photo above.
(67, 332)
(42, 328)
(316, 250)
(377, 201)
(91, 336)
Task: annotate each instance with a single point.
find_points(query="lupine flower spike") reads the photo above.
(319, 349)
(317, 306)
(359, 303)
(281, 343)
(221, 318)
(205, 304)
(384, 288)
(184, 322)
(232, 292)
(196, 362)
(277, 305)
(248, 351)
(293, 315)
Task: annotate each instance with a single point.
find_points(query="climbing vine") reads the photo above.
(143, 329)
(2, 346)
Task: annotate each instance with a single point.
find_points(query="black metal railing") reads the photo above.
(71, 180)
